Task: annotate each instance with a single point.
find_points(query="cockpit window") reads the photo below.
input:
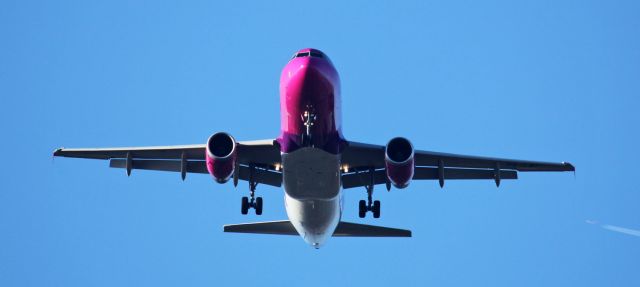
(307, 54)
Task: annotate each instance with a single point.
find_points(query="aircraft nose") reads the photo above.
(307, 71)
(303, 66)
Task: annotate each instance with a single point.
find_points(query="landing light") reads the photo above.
(345, 168)
(277, 167)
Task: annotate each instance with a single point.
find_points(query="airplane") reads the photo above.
(312, 161)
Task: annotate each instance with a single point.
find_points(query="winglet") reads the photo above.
(569, 166)
(57, 151)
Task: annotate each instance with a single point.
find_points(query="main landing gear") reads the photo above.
(370, 204)
(251, 201)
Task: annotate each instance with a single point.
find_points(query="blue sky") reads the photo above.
(539, 80)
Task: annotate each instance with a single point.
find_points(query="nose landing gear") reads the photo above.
(308, 118)
(370, 204)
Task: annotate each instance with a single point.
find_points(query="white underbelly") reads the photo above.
(314, 219)
(311, 179)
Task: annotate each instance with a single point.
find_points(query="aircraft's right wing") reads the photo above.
(263, 155)
(366, 164)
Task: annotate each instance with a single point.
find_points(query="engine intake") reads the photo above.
(221, 156)
(399, 162)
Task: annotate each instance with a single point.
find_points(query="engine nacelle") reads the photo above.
(221, 156)
(399, 163)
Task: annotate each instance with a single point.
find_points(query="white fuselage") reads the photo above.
(313, 198)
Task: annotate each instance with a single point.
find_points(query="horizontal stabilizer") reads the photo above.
(348, 229)
(282, 227)
(344, 229)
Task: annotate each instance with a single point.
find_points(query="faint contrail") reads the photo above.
(619, 229)
(622, 230)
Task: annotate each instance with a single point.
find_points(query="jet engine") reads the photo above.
(221, 156)
(399, 162)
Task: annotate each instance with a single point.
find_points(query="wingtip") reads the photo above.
(226, 228)
(57, 151)
(569, 166)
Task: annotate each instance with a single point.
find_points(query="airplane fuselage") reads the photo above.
(311, 141)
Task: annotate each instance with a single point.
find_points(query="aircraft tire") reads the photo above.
(259, 206)
(376, 209)
(244, 208)
(362, 208)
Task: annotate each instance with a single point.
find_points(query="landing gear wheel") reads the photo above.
(258, 206)
(376, 209)
(244, 209)
(362, 209)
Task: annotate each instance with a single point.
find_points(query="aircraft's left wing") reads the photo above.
(264, 155)
(366, 165)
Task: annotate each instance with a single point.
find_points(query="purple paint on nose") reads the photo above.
(310, 111)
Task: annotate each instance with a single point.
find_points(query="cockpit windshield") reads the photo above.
(314, 54)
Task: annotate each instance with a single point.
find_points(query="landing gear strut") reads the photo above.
(370, 204)
(251, 201)
(308, 117)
